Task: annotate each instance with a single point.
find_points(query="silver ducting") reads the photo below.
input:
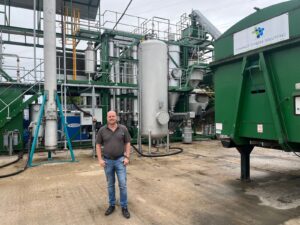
(204, 22)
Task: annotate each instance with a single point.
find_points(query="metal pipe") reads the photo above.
(93, 124)
(149, 142)
(34, 38)
(50, 74)
(134, 74)
(117, 71)
(112, 76)
(65, 69)
(100, 86)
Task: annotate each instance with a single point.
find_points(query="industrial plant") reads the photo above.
(199, 105)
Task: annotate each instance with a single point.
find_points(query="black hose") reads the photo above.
(19, 171)
(15, 173)
(20, 156)
(180, 150)
(296, 154)
(76, 106)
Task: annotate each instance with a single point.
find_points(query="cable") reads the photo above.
(122, 14)
(180, 150)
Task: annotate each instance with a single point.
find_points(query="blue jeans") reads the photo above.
(112, 167)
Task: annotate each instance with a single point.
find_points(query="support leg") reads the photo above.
(245, 152)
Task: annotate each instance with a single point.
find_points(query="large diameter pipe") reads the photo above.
(206, 24)
(50, 74)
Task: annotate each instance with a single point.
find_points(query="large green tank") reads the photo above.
(257, 82)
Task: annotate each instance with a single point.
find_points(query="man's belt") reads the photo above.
(112, 158)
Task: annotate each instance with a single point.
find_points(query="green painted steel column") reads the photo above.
(105, 104)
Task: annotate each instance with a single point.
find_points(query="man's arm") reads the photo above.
(126, 153)
(99, 154)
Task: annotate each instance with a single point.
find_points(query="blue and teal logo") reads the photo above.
(259, 32)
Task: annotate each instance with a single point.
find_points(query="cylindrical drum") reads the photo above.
(153, 86)
(187, 135)
(34, 112)
(16, 137)
(90, 59)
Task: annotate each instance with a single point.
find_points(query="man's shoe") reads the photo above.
(125, 212)
(110, 210)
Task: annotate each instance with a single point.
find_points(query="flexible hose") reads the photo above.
(180, 150)
(19, 171)
(20, 156)
(76, 106)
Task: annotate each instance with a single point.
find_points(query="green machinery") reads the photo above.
(112, 83)
(257, 85)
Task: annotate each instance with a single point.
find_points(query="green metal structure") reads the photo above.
(16, 95)
(257, 86)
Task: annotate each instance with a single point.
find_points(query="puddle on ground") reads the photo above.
(280, 194)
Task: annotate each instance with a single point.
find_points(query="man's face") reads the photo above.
(111, 118)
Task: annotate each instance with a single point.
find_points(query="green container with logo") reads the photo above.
(257, 80)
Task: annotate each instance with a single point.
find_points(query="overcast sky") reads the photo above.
(222, 13)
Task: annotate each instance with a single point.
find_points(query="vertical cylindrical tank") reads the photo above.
(50, 74)
(90, 59)
(15, 136)
(34, 111)
(153, 85)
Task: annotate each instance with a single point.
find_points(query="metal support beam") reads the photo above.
(245, 162)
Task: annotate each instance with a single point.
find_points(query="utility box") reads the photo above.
(256, 78)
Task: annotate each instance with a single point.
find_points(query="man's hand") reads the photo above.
(126, 161)
(102, 163)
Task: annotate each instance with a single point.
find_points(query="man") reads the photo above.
(114, 139)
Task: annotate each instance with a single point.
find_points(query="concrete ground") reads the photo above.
(199, 186)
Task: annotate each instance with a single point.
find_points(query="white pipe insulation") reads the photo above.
(50, 74)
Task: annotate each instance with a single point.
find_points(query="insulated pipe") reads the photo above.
(117, 71)
(50, 74)
(134, 74)
(206, 24)
(112, 76)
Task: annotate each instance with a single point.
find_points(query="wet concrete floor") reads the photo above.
(198, 186)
